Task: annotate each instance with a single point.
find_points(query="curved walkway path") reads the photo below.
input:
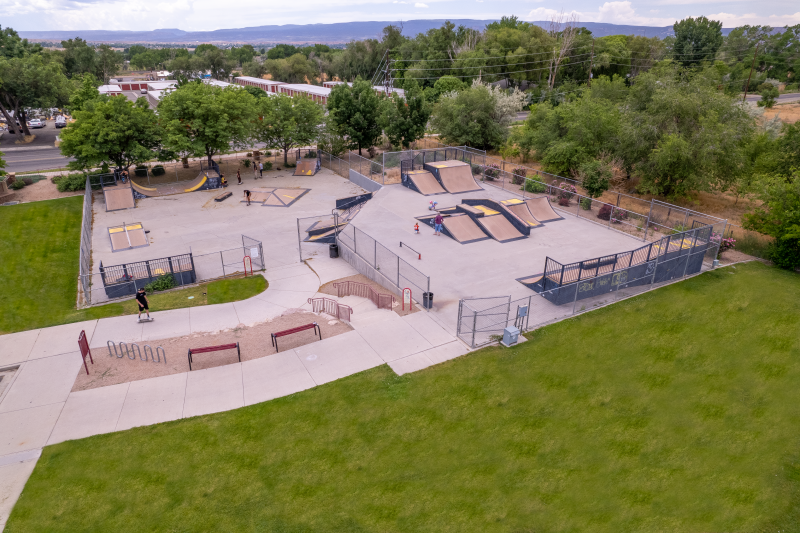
(37, 407)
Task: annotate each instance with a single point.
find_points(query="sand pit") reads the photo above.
(254, 342)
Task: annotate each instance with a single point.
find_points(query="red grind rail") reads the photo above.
(331, 307)
(354, 288)
(215, 349)
(298, 329)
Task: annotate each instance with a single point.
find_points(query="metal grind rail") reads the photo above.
(419, 255)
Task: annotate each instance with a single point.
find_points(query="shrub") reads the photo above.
(246, 163)
(491, 171)
(17, 185)
(159, 170)
(162, 283)
(618, 215)
(311, 154)
(290, 165)
(268, 153)
(535, 186)
(267, 165)
(27, 181)
(586, 204)
(141, 171)
(563, 202)
(566, 190)
(70, 182)
(725, 244)
(10, 180)
(605, 212)
(476, 169)
(518, 175)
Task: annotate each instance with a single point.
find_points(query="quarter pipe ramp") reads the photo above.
(500, 228)
(424, 183)
(463, 229)
(119, 197)
(306, 167)
(542, 210)
(455, 176)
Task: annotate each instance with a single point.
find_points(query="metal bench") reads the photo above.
(298, 329)
(214, 349)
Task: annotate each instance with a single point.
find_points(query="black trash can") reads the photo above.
(334, 249)
(427, 300)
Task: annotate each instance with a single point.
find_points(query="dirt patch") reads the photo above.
(328, 288)
(254, 342)
(41, 190)
(788, 113)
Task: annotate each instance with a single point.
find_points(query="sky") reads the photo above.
(194, 15)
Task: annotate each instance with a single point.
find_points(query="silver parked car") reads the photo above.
(35, 123)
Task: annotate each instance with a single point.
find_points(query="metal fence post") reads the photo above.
(474, 326)
(528, 318)
(647, 224)
(375, 253)
(575, 301)
(222, 261)
(299, 244)
(398, 271)
(458, 325)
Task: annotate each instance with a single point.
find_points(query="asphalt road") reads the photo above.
(41, 154)
(782, 99)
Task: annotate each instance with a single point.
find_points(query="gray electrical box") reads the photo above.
(510, 336)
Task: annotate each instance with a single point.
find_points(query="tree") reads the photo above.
(595, 177)
(31, 81)
(186, 68)
(447, 84)
(282, 51)
(243, 54)
(85, 93)
(356, 112)
(203, 119)
(696, 40)
(405, 119)
(254, 69)
(255, 91)
(12, 46)
(218, 63)
(287, 122)
(2, 165)
(108, 62)
(779, 217)
(294, 69)
(79, 57)
(114, 132)
(768, 96)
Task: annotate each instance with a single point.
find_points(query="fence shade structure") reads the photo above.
(354, 288)
(378, 263)
(587, 285)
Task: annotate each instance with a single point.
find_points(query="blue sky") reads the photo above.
(213, 14)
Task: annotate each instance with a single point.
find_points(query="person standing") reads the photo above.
(437, 223)
(144, 304)
(260, 169)
(238, 177)
(255, 170)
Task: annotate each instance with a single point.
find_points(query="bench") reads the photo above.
(298, 329)
(223, 196)
(214, 349)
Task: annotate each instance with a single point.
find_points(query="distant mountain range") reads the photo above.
(310, 33)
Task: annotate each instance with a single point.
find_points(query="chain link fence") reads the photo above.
(121, 281)
(381, 265)
(482, 320)
(85, 252)
(350, 161)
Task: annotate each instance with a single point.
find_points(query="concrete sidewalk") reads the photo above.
(37, 407)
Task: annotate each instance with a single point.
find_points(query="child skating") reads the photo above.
(144, 304)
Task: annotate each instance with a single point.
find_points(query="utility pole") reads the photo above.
(591, 63)
(751, 73)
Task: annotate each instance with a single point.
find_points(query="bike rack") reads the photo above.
(133, 350)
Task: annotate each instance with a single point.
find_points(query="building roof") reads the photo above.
(259, 80)
(110, 89)
(161, 85)
(306, 88)
(216, 82)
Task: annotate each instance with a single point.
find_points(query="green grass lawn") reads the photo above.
(39, 262)
(674, 411)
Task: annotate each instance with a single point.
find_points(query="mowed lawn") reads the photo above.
(678, 410)
(39, 265)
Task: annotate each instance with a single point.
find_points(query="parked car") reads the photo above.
(61, 121)
(144, 91)
(35, 123)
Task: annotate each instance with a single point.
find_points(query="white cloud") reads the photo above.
(731, 21)
(420, 4)
(611, 12)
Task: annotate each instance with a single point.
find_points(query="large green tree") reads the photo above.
(696, 40)
(293, 69)
(287, 123)
(30, 81)
(108, 62)
(779, 217)
(405, 118)
(86, 92)
(205, 120)
(79, 57)
(356, 112)
(113, 131)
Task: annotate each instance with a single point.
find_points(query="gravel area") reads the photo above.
(41, 190)
(254, 342)
(328, 288)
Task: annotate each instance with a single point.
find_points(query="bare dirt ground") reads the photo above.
(41, 190)
(328, 288)
(789, 113)
(254, 342)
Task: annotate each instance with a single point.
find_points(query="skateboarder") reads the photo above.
(437, 222)
(247, 196)
(144, 305)
(239, 177)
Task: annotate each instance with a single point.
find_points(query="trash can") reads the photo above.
(334, 249)
(427, 300)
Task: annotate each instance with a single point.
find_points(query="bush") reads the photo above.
(618, 215)
(605, 212)
(725, 244)
(141, 171)
(586, 204)
(17, 185)
(27, 181)
(287, 165)
(491, 171)
(159, 170)
(246, 163)
(518, 175)
(563, 202)
(535, 186)
(162, 283)
(267, 165)
(70, 182)
(566, 190)
(476, 169)
(311, 154)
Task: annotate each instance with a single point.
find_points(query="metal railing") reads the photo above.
(331, 307)
(354, 288)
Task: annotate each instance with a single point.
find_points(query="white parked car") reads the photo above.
(35, 123)
(144, 91)
(61, 122)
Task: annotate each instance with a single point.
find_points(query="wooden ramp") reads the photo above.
(425, 183)
(521, 210)
(541, 209)
(463, 229)
(145, 191)
(456, 176)
(119, 197)
(500, 228)
(127, 237)
(306, 167)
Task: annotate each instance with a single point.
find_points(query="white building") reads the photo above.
(111, 90)
(315, 92)
(270, 86)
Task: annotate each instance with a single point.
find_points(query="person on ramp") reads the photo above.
(437, 222)
(144, 304)
(247, 196)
